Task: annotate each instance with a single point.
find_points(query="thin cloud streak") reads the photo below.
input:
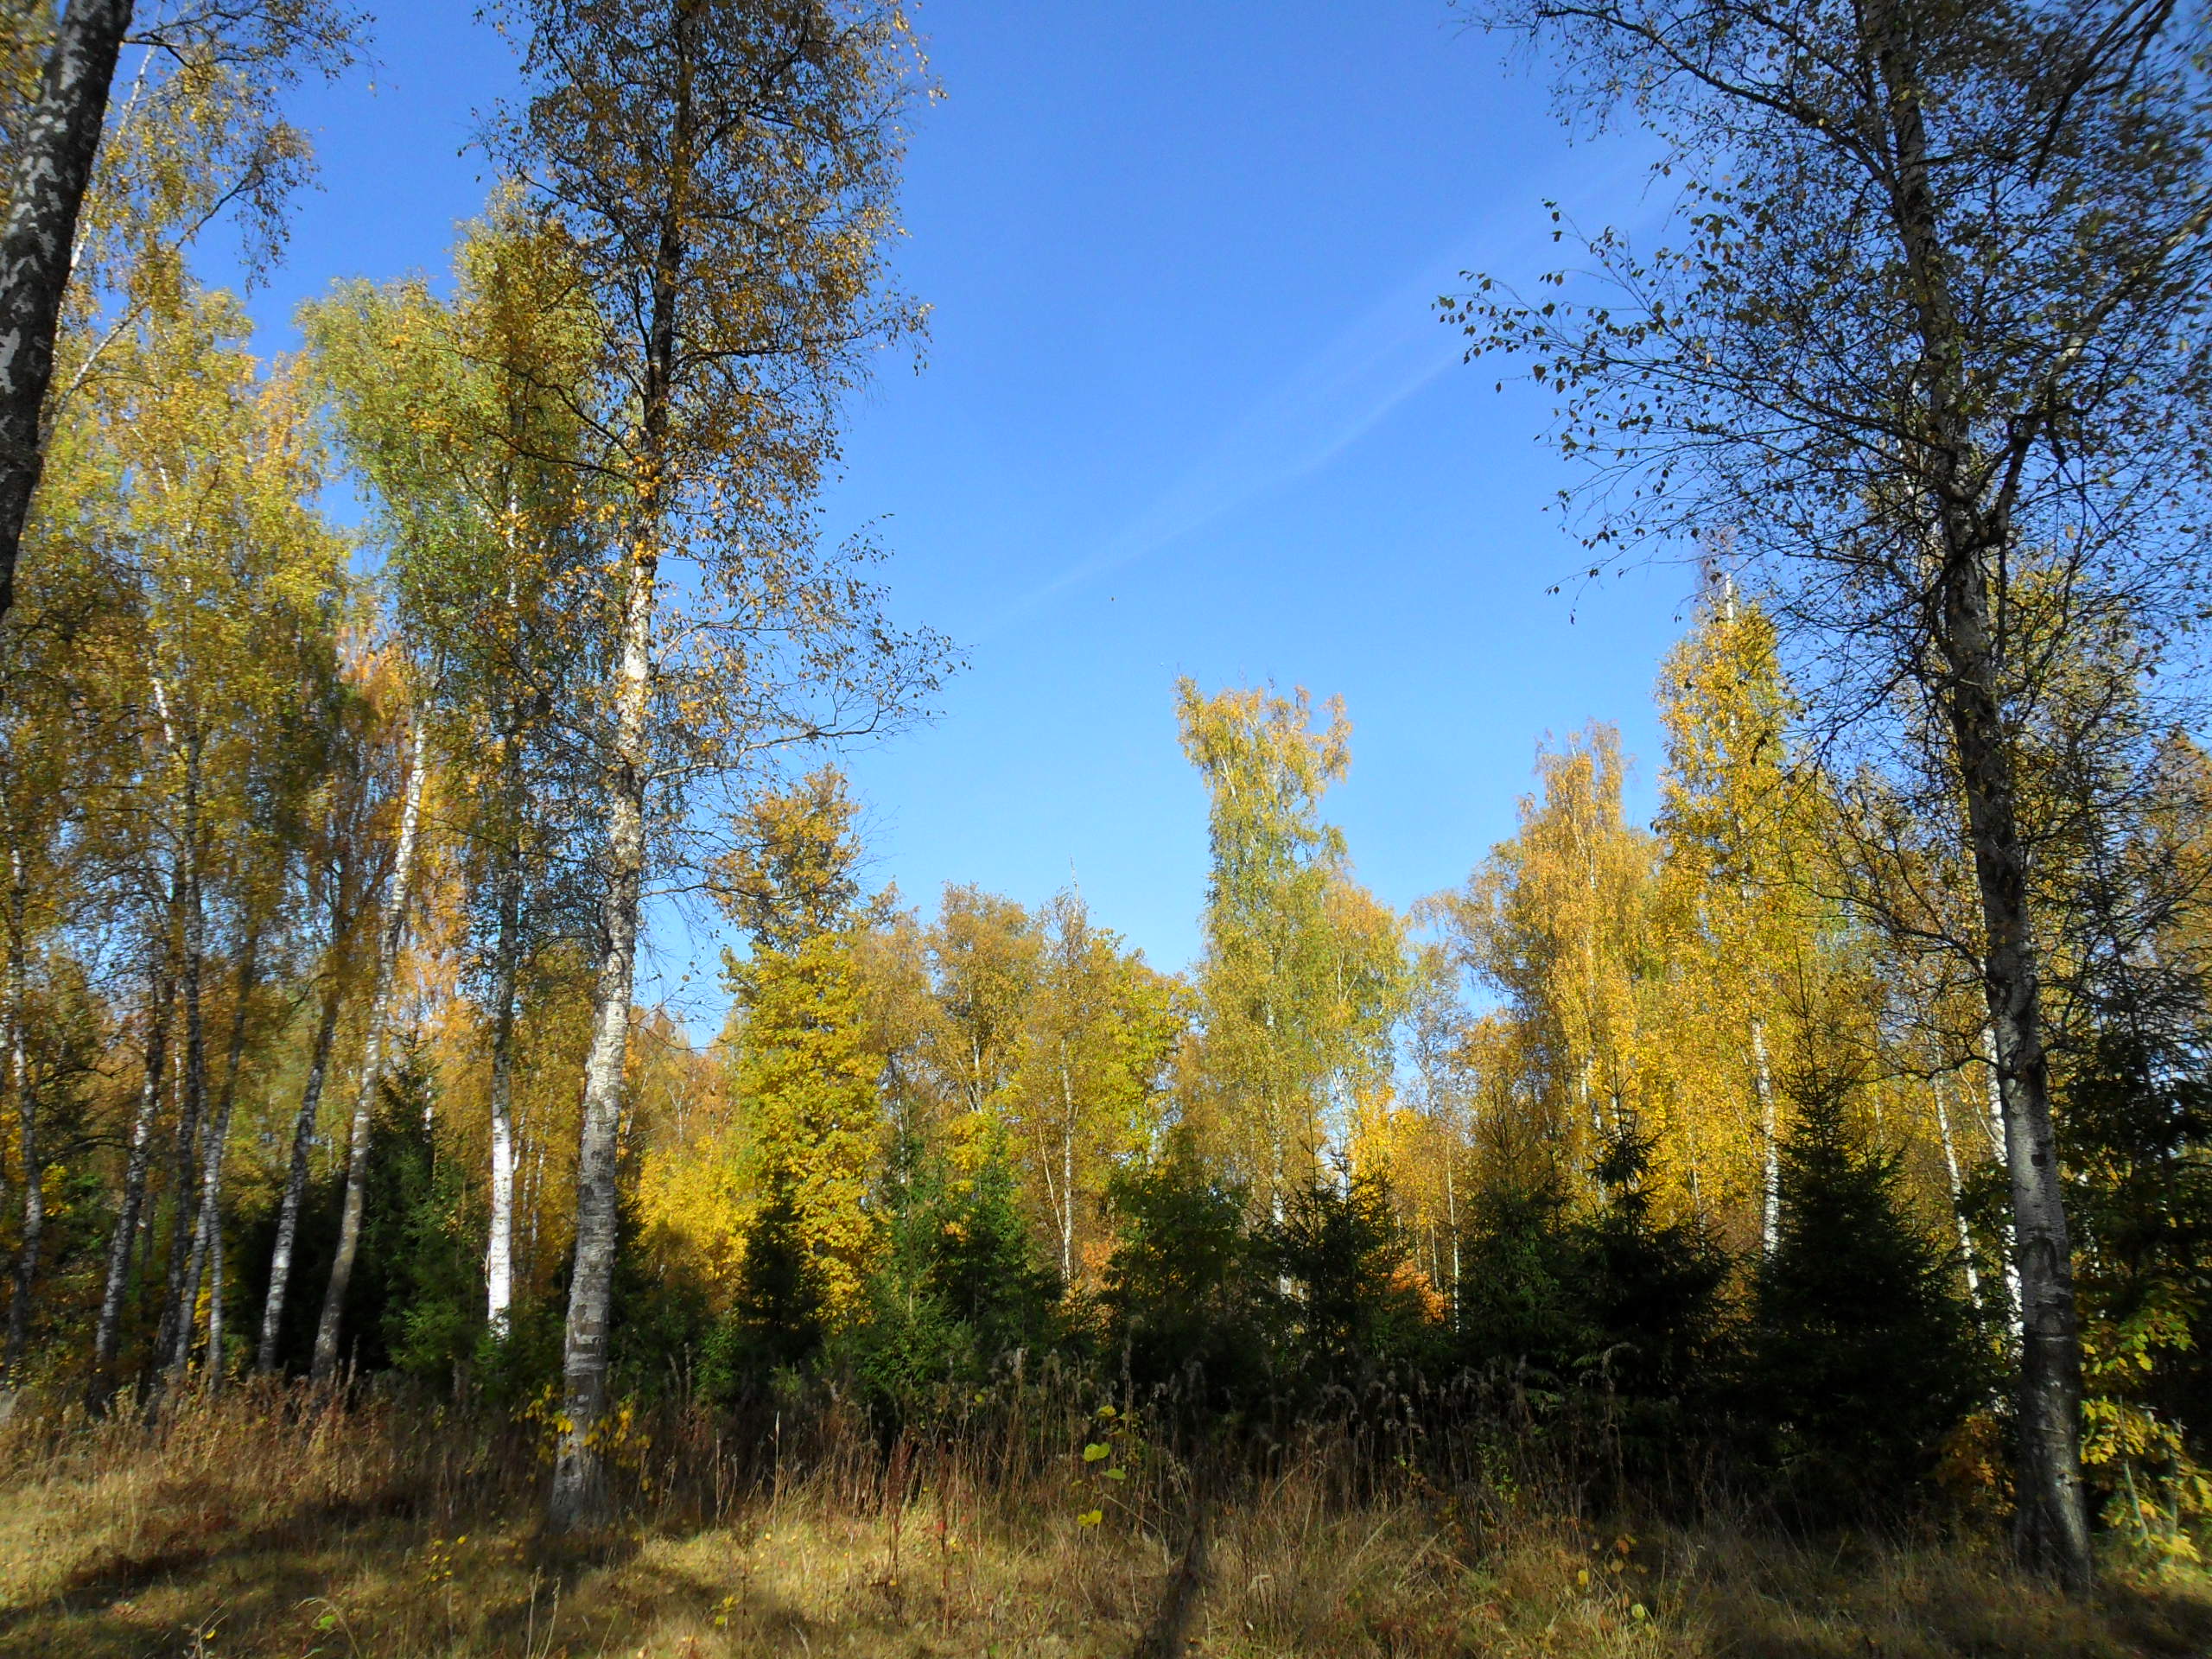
(1339, 395)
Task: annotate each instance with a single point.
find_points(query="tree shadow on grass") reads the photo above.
(338, 1576)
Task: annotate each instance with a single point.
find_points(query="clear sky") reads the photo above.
(1186, 410)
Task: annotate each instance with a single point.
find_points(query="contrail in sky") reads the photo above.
(1332, 400)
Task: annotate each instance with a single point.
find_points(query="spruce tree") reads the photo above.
(1860, 1358)
(1650, 1287)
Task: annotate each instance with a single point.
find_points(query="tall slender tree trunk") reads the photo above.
(34, 1234)
(1770, 1142)
(46, 181)
(2016, 1315)
(192, 1079)
(159, 999)
(214, 1370)
(1067, 1169)
(1993, 1120)
(534, 1198)
(1958, 1210)
(499, 1245)
(2051, 1522)
(390, 936)
(207, 1230)
(579, 1492)
(578, 1497)
(499, 1240)
(296, 1171)
(1452, 1226)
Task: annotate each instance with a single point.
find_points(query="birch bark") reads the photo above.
(34, 1232)
(192, 1096)
(500, 1245)
(1770, 1177)
(47, 182)
(207, 1229)
(1958, 1213)
(160, 999)
(2052, 1523)
(296, 1172)
(214, 1373)
(578, 1493)
(390, 936)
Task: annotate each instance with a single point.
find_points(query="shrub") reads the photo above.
(1859, 1358)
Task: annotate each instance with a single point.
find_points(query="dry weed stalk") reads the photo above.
(306, 1522)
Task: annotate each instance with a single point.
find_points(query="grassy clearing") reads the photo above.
(259, 1529)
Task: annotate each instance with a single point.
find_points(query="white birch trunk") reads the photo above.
(1966, 629)
(500, 1242)
(296, 1171)
(2018, 1310)
(390, 935)
(34, 1233)
(207, 1230)
(1064, 1206)
(215, 1316)
(191, 1079)
(500, 1247)
(1770, 1132)
(108, 1331)
(1958, 1214)
(579, 1492)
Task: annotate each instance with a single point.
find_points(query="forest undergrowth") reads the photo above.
(294, 1523)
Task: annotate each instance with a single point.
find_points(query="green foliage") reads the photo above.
(1521, 1287)
(662, 1325)
(1183, 1292)
(802, 1072)
(1651, 1289)
(1349, 1313)
(419, 1230)
(959, 1292)
(416, 1302)
(1609, 1304)
(1304, 972)
(778, 1320)
(2134, 1136)
(1859, 1356)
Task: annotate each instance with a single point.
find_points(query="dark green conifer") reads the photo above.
(1860, 1357)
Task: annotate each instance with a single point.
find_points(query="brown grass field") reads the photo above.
(268, 1525)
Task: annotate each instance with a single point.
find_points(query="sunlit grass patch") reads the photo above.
(270, 1527)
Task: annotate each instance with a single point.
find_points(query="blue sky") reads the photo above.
(1186, 410)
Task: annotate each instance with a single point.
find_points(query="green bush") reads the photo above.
(1859, 1358)
(1185, 1291)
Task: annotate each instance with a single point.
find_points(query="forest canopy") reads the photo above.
(1835, 1137)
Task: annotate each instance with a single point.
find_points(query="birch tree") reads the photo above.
(338, 854)
(1090, 1091)
(390, 936)
(51, 166)
(1304, 973)
(104, 194)
(983, 958)
(725, 170)
(1931, 319)
(1557, 918)
(462, 416)
(231, 581)
(1738, 903)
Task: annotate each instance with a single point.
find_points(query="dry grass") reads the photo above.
(279, 1527)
